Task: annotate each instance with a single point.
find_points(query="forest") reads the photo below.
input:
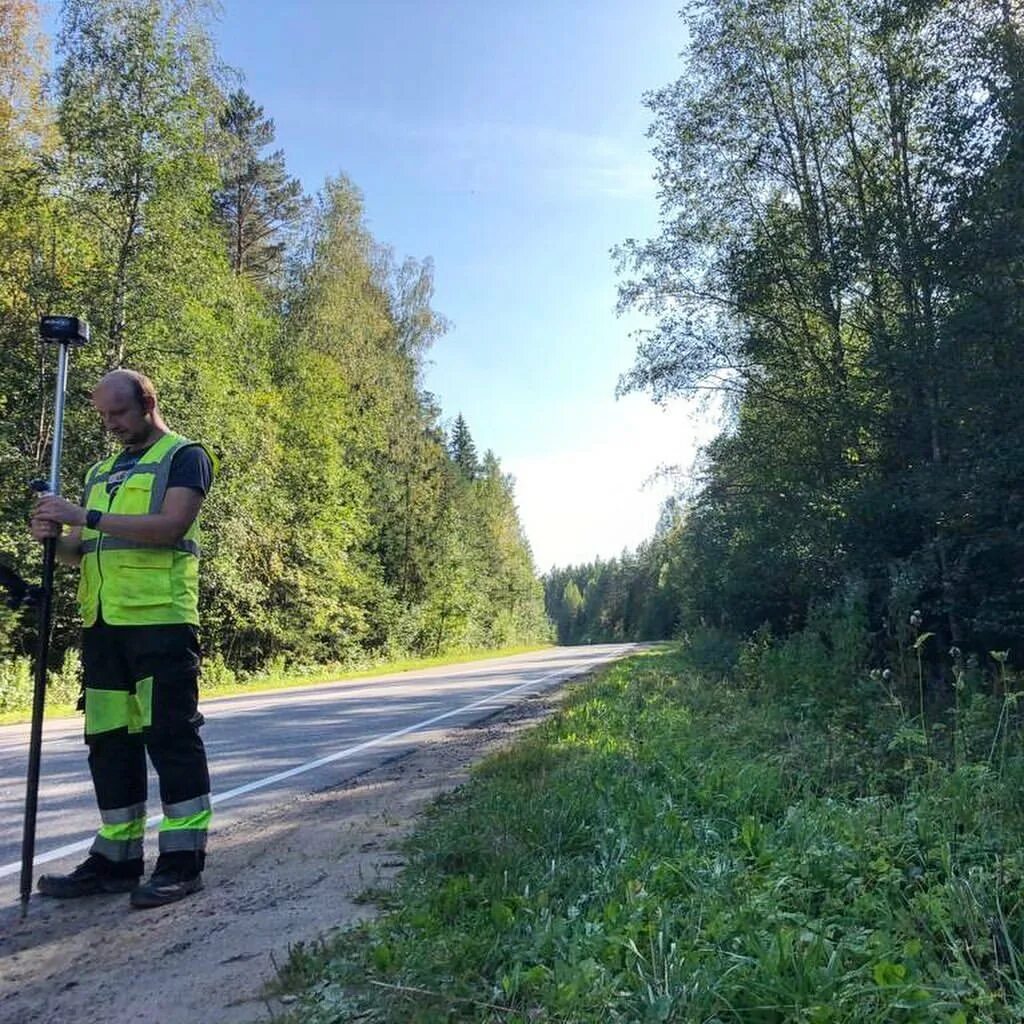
(140, 189)
(839, 276)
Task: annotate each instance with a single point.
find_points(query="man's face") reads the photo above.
(123, 414)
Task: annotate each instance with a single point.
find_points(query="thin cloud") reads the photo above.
(494, 156)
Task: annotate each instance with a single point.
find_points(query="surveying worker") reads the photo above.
(137, 542)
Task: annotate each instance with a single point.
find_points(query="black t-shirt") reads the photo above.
(191, 467)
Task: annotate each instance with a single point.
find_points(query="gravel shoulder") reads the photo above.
(291, 874)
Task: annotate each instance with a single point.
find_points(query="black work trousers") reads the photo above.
(141, 695)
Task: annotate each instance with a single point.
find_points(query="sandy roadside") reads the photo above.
(289, 875)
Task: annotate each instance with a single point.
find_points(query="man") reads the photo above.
(136, 540)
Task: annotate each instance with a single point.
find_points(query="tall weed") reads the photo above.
(64, 686)
(712, 652)
(15, 684)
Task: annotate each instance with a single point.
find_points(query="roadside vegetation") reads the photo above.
(818, 805)
(814, 813)
(838, 270)
(703, 838)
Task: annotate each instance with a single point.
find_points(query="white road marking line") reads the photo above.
(341, 755)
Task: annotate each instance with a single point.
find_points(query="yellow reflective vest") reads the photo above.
(131, 582)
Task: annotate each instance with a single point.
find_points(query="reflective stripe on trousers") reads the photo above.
(120, 836)
(185, 825)
(184, 828)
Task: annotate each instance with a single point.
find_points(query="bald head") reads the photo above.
(126, 402)
(128, 384)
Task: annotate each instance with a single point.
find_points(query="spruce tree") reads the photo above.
(463, 450)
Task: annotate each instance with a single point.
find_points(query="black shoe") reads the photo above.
(168, 884)
(94, 875)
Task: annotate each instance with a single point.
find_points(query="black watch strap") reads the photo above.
(92, 518)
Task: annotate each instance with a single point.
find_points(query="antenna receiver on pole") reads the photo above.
(64, 330)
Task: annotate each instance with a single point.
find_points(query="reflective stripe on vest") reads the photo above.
(191, 547)
(134, 583)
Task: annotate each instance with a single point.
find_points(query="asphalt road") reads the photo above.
(266, 748)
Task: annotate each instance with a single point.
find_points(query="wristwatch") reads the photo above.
(92, 518)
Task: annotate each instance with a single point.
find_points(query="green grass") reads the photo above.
(265, 682)
(669, 849)
(20, 717)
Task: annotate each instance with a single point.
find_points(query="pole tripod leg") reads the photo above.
(35, 746)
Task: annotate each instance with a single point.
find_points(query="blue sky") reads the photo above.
(506, 141)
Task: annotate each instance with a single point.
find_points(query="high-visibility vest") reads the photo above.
(133, 583)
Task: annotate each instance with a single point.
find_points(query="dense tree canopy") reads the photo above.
(839, 258)
(140, 196)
